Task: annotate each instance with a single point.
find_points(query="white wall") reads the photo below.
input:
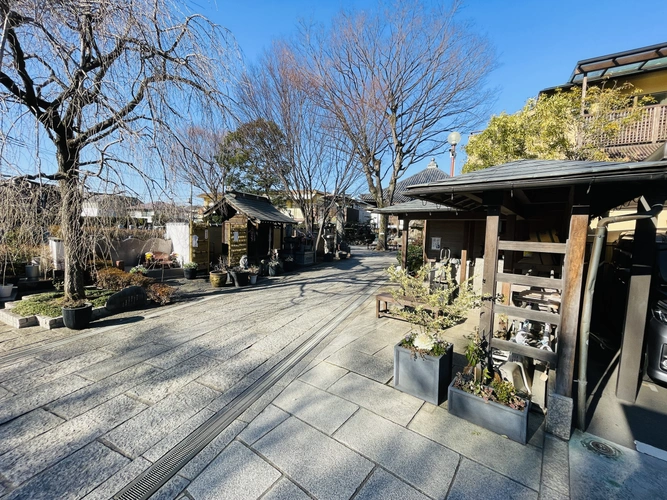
(179, 234)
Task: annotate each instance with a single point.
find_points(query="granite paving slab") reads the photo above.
(74, 476)
(556, 466)
(369, 344)
(172, 380)
(173, 357)
(21, 368)
(387, 402)
(177, 435)
(45, 393)
(476, 481)
(314, 406)
(116, 364)
(285, 489)
(322, 466)
(171, 488)
(629, 474)
(45, 450)
(424, 464)
(26, 427)
(119, 480)
(139, 433)
(95, 394)
(523, 463)
(35, 378)
(384, 486)
(236, 473)
(195, 466)
(323, 375)
(266, 421)
(4, 393)
(377, 368)
(234, 369)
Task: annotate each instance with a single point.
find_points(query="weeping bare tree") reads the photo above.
(98, 89)
(397, 81)
(304, 153)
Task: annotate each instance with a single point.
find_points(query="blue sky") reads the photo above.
(537, 42)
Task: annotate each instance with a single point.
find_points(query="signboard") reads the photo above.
(435, 243)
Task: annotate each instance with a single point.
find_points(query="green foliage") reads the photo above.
(553, 127)
(415, 258)
(434, 310)
(50, 304)
(190, 265)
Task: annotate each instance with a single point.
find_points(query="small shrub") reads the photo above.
(115, 279)
(160, 293)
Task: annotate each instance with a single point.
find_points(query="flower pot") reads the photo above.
(493, 416)
(6, 290)
(190, 274)
(240, 278)
(217, 278)
(77, 318)
(253, 279)
(273, 271)
(31, 272)
(425, 377)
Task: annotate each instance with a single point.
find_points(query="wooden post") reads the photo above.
(489, 273)
(404, 244)
(424, 242)
(643, 255)
(571, 299)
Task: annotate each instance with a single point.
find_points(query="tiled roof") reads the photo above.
(257, 208)
(426, 176)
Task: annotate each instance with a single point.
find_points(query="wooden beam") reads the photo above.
(532, 246)
(526, 350)
(571, 298)
(538, 281)
(404, 245)
(489, 272)
(525, 313)
(643, 258)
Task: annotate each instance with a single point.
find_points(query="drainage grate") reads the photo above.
(152, 479)
(600, 448)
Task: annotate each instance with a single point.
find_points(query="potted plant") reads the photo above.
(423, 360)
(253, 272)
(275, 267)
(77, 315)
(140, 269)
(482, 397)
(218, 274)
(239, 275)
(190, 270)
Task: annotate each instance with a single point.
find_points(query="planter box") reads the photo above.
(493, 416)
(426, 378)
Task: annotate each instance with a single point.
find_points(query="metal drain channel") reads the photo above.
(153, 478)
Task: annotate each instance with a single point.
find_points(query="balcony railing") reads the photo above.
(651, 128)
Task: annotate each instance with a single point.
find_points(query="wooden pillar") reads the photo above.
(643, 255)
(490, 266)
(510, 235)
(424, 242)
(404, 244)
(573, 273)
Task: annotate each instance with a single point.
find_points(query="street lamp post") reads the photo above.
(453, 138)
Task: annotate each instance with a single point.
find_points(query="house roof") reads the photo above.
(426, 176)
(629, 62)
(466, 191)
(257, 208)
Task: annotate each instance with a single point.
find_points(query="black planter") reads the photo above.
(493, 416)
(77, 318)
(240, 278)
(424, 377)
(190, 274)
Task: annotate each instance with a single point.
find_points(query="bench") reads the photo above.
(387, 298)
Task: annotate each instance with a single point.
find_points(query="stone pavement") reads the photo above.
(83, 419)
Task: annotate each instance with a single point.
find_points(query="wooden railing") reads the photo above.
(650, 129)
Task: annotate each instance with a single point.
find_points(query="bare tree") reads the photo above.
(308, 159)
(396, 81)
(105, 85)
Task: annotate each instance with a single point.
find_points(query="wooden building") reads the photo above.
(557, 199)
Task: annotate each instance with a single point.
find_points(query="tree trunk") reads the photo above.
(73, 237)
